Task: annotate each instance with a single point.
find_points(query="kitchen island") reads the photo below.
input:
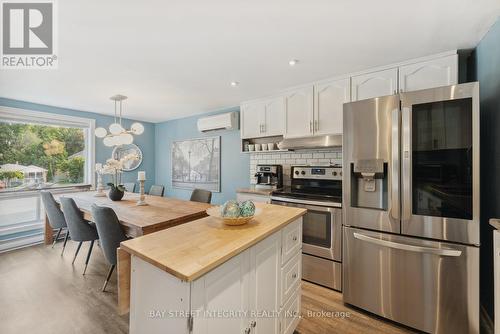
(205, 277)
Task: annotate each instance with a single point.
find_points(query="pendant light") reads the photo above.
(117, 133)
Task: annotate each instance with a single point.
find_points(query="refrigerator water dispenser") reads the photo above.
(369, 184)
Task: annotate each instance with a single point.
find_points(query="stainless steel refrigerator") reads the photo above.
(411, 208)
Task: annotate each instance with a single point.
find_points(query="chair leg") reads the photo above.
(77, 250)
(108, 277)
(88, 256)
(65, 241)
(57, 237)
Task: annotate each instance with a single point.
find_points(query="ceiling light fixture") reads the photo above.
(293, 62)
(234, 83)
(117, 133)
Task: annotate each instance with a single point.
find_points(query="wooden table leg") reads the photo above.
(49, 233)
(123, 281)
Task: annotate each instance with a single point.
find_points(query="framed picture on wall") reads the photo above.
(196, 164)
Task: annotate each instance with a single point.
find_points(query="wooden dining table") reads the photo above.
(159, 214)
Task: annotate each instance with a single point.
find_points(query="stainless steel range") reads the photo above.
(319, 190)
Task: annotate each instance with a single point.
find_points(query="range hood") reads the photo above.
(326, 141)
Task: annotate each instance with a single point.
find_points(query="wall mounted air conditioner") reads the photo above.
(227, 121)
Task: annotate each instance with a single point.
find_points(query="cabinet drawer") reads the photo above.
(291, 240)
(290, 315)
(291, 275)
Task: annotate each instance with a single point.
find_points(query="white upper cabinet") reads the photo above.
(374, 84)
(329, 99)
(317, 109)
(299, 113)
(275, 116)
(263, 118)
(433, 73)
(252, 119)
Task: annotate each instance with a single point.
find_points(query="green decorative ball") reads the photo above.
(247, 208)
(230, 209)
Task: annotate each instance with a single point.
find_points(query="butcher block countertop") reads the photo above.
(255, 190)
(191, 250)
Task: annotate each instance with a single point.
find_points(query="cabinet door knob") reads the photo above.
(247, 330)
(253, 324)
(294, 275)
(294, 238)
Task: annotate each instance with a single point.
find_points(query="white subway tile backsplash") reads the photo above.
(291, 158)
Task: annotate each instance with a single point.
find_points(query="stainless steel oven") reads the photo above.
(322, 224)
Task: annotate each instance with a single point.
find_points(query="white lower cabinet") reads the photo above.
(220, 291)
(255, 292)
(265, 285)
(291, 275)
(290, 314)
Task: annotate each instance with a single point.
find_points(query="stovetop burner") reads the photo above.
(314, 183)
(310, 194)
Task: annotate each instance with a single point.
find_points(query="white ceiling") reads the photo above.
(177, 58)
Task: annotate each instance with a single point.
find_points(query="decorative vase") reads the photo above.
(115, 194)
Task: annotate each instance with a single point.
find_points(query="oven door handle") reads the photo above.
(406, 247)
(313, 205)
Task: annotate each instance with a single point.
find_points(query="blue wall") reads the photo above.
(146, 141)
(487, 61)
(234, 164)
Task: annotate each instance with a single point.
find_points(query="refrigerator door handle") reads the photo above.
(406, 163)
(406, 247)
(395, 149)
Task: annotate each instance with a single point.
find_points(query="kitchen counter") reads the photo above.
(190, 250)
(205, 268)
(495, 222)
(256, 191)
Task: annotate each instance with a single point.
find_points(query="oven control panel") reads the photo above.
(320, 172)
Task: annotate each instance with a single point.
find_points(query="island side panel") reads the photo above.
(123, 271)
(159, 302)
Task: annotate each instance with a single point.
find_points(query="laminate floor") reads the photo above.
(41, 292)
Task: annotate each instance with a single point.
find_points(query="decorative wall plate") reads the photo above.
(122, 150)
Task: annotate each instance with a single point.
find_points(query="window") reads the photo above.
(39, 151)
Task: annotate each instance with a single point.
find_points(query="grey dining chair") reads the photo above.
(201, 195)
(156, 190)
(129, 187)
(81, 230)
(55, 216)
(110, 235)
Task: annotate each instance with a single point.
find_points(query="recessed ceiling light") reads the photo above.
(293, 62)
(234, 83)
